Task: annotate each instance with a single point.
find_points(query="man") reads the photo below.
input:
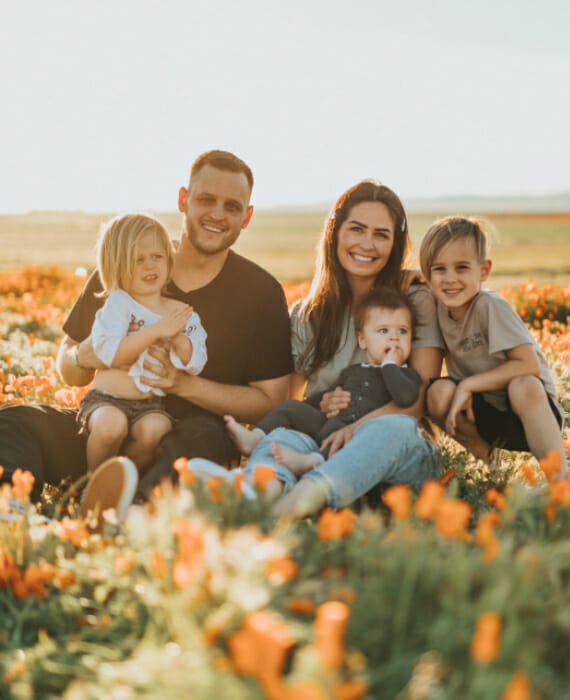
(243, 310)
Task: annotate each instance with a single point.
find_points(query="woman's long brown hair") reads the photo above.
(330, 295)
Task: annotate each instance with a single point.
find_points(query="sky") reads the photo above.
(105, 104)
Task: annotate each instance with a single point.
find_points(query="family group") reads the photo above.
(191, 353)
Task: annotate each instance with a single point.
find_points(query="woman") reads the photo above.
(364, 244)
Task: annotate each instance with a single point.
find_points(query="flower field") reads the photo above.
(459, 591)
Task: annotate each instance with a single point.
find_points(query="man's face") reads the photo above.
(216, 208)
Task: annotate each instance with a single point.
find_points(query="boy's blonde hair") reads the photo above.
(444, 231)
(117, 247)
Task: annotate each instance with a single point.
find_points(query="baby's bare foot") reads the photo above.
(297, 462)
(244, 438)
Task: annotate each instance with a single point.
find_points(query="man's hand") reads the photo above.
(333, 402)
(461, 402)
(339, 438)
(161, 366)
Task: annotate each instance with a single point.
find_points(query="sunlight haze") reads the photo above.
(106, 104)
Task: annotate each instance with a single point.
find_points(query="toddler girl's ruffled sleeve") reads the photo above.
(195, 332)
(111, 325)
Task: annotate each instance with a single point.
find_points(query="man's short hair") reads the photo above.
(381, 298)
(222, 160)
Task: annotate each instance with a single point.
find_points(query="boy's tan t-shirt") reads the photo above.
(479, 342)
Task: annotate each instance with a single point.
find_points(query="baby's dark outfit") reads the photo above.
(370, 387)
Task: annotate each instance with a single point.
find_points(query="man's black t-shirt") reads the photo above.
(244, 312)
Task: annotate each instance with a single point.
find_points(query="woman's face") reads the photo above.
(365, 242)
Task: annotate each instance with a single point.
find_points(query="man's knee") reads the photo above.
(526, 392)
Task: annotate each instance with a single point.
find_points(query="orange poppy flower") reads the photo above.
(238, 479)
(300, 605)
(560, 492)
(518, 687)
(484, 532)
(494, 498)
(190, 553)
(259, 648)
(262, 475)
(398, 498)
(213, 486)
(551, 465)
(334, 524)
(427, 503)
(281, 569)
(452, 518)
(1, 471)
(486, 641)
(329, 626)
(158, 565)
(528, 473)
(550, 511)
(185, 475)
(73, 531)
(23, 483)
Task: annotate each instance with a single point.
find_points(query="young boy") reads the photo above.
(500, 391)
(384, 327)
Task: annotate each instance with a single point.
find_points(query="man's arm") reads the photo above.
(247, 404)
(76, 362)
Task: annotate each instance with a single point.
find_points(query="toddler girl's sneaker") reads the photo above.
(111, 486)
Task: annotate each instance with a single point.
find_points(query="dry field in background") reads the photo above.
(525, 245)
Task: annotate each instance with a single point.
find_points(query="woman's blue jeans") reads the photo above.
(390, 449)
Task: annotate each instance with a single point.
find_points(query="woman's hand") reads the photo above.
(339, 439)
(409, 277)
(333, 402)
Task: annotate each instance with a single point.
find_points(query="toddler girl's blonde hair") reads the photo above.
(444, 231)
(117, 247)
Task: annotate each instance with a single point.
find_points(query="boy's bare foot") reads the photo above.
(298, 462)
(245, 439)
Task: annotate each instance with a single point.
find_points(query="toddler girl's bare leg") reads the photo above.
(297, 462)
(245, 439)
(107, 428)
(530, 402)
(146, 434)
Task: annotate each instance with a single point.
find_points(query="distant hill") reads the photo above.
(553, 202)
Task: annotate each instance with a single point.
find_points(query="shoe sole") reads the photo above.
(112, 485)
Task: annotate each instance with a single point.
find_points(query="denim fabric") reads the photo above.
(390, 449)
